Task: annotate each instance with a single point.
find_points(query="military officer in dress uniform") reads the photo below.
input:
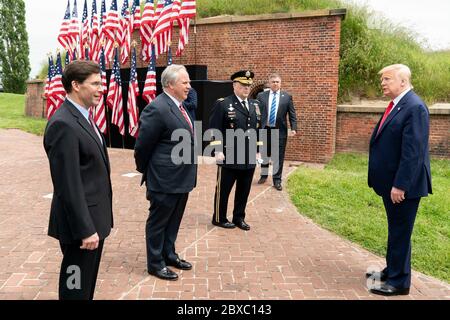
(236, 120)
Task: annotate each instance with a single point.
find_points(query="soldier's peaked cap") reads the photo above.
(243, 76)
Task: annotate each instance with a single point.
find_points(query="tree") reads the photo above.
(14, 49)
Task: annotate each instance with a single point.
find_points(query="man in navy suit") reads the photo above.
(190, 104)
(169, 178)
(276, 105)
(81, 213)
(399, 172)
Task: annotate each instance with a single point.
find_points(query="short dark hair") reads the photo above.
(79, 71)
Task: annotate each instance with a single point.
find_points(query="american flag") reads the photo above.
(84, 33)
(162, 33)
(147, 24)
(124, 33)
(114, 98)
(74, 29)
(63, 37)
(111, 29)
(176, 7)
(67, 59)
(133, 92)
(57, 92)
(188, 11)
(48, 84)
(149, 92)
(101, 27)
(95, 34)
(100, 115)
(135, 16)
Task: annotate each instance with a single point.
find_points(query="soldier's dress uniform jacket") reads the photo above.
(240, 156)
(229, 113)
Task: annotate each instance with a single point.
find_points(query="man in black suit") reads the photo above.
(81, 211)
(169, 178)
(190, 104)
(399, 172)
(235, 120)
(275, 106)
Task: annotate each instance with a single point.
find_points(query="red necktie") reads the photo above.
(385, 115)
(91, 120)
(186, 117)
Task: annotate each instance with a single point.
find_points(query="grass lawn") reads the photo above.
(338, 199)
(12, 115)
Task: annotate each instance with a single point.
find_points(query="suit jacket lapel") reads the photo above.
(281, 104)
(177, 112)
(396, 110)
(239, 107)
(88, 128)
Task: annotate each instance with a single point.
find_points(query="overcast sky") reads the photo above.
(430, 19)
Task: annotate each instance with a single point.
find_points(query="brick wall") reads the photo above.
(302, 48)
(355, 125)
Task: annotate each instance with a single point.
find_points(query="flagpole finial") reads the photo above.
(116, 44)
(134, 43)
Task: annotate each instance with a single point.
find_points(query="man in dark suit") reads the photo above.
(81, 212)
(190, 104)
(235, 120)
(399, 172)
(275, 106)
(169, 178)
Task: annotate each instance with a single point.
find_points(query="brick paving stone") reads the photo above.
(284, 255)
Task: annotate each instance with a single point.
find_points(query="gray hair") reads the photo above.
(400, 70)
(274, 75)
(170, 74)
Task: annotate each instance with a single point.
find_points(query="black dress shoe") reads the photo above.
(262, 180)
(388, 290)
(164, 273)
(242, 225)
(278, 186)
(377, 275)
(225, 224)
(180, 264)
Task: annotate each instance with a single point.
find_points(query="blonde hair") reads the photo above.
(400, 70)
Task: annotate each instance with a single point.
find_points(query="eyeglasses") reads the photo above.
(95, 84)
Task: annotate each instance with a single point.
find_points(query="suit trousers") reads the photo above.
(161, 230)
(79, 269)
(277, 162)
(226, 178)
(400, 219)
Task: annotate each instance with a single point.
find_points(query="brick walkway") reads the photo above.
(283, 256)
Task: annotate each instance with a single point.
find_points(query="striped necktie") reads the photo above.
(186, 117)
(273, 111)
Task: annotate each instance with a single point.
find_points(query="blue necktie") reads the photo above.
(273, 113)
